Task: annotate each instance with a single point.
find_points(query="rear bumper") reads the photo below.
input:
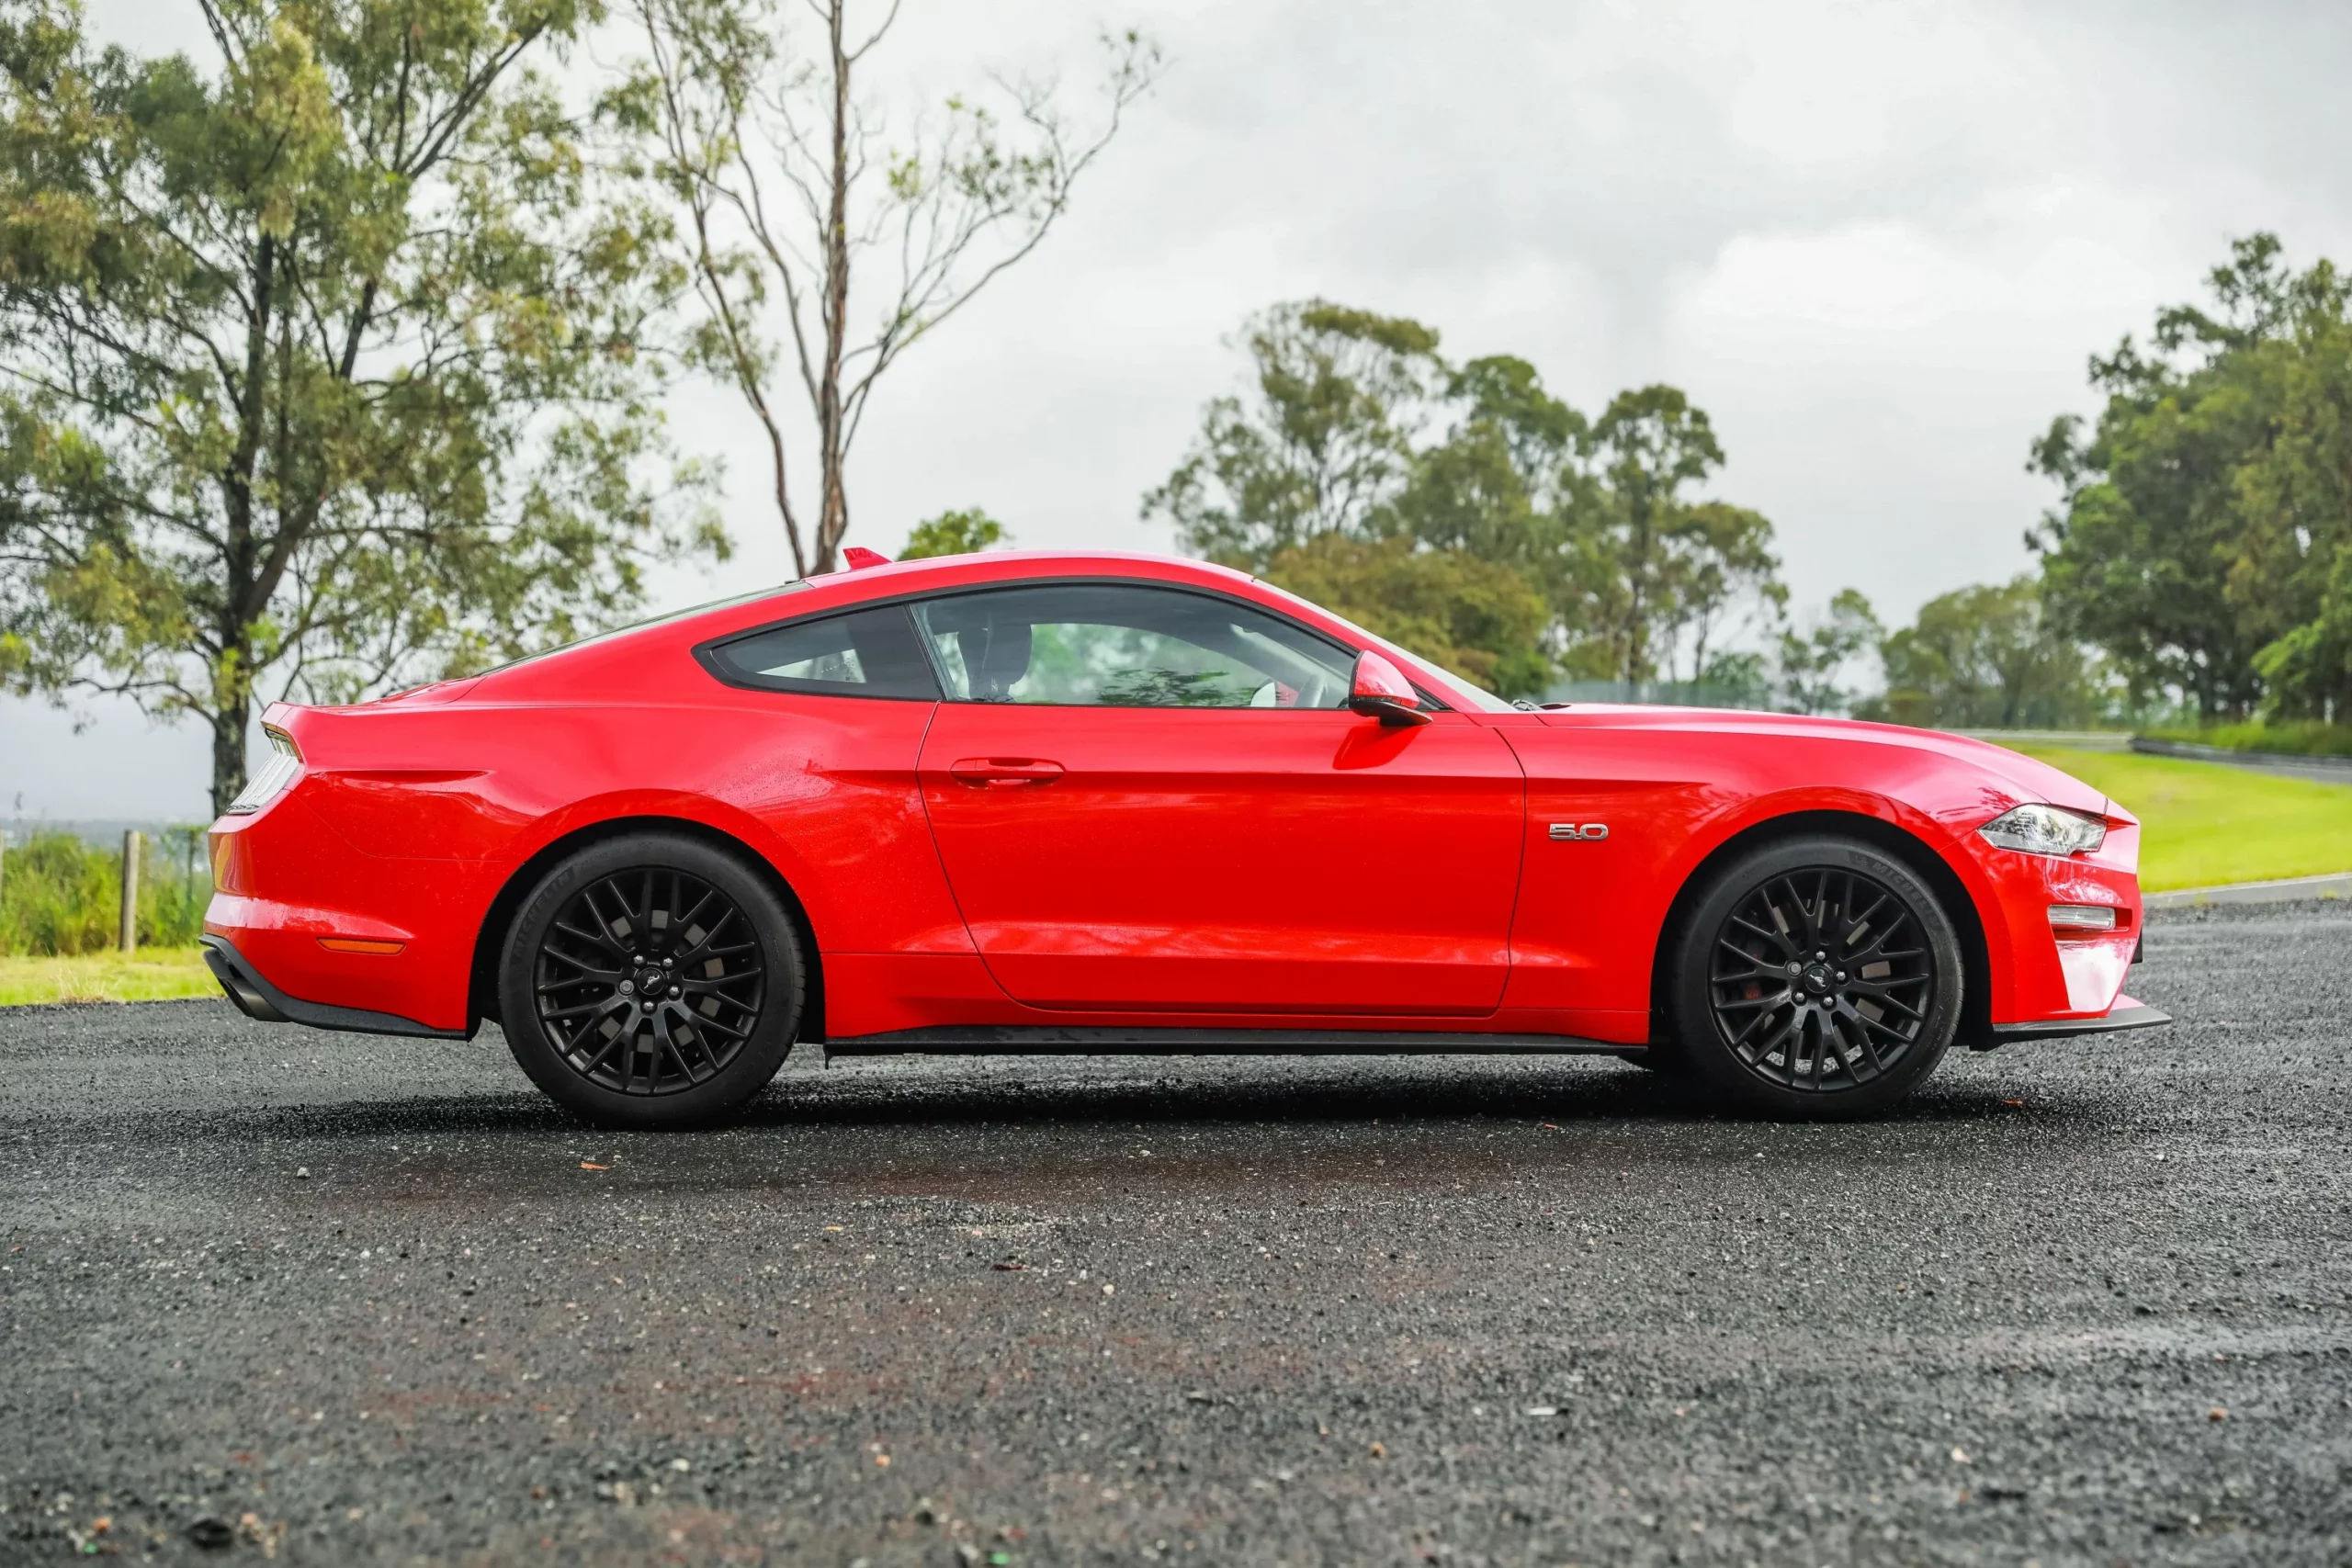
(258, 999)
(367, 935)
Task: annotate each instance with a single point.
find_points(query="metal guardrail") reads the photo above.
(2191, 751)
(2061, 739)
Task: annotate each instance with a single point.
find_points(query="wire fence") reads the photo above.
(61, 894)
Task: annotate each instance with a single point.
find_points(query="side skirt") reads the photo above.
(1053, 1041)
(260, 1000)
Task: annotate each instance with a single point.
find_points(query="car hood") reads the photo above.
(2027, 778)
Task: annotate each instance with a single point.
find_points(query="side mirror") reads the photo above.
(1379, 690)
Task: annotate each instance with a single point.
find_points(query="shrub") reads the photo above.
(59, 895)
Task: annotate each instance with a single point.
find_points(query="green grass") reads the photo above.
(2300, 737)
(2203, 823)
(152, 974)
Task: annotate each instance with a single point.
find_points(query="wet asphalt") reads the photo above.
(340, 1299)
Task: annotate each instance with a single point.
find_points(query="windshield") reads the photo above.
(1456, 688)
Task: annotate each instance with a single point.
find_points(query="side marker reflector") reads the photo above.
(356, 944)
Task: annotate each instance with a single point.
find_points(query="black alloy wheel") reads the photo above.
(652, 981)
(1815, 978)
(649, 981)
(1822, 980)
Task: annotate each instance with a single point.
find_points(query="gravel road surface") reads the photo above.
(347, 1300)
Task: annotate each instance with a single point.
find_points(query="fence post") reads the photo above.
(129, 891)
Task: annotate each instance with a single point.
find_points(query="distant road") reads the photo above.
(2319, 770)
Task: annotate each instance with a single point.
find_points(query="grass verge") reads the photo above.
(2298, 737)
(2205, 823)
(152, 974)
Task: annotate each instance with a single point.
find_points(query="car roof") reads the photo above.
(991, 565)
(853, 586)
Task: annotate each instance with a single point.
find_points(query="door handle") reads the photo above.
(984, 772)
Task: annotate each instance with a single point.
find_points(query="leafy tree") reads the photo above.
(1359, 430)
(2203, 516)
(1722, 562)
(320, 364)
(959, 532)
(1500, 482)
(2310, 669)
(1988, 658)
(2293, 575)
(800, 212)
(1809, 663)
(1741, 679)
(1478, 618)
(1324, 445)
(1650, 564)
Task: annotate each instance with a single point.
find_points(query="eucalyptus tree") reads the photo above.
(823, 239)
(1355, 433)
(321, 358)
(2204, 538)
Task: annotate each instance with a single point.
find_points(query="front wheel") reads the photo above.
(651, 981)
(1817, 977)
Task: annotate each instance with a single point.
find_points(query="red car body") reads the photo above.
(973, 871)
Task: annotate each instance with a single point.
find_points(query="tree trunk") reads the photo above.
(832, 513)
(229, 724)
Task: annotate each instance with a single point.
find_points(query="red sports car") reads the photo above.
(1027, 802)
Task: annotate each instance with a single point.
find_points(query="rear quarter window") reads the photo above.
(859, 653)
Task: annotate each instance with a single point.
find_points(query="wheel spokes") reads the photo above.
(604, 971)
(1820, 979)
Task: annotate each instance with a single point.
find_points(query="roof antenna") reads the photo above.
(857, 558)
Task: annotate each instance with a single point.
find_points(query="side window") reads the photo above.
(865, 653)
(1117, 645)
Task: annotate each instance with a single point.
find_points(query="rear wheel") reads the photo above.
(1817, 977)
(651, 981)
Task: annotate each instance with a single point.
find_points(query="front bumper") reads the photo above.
(2129, 1012)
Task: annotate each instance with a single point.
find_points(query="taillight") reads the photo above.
(285, 761)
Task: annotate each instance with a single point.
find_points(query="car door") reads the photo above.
(1152, 799)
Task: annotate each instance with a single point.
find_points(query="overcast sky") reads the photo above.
(1876, 242)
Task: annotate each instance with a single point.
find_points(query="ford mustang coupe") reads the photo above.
(1024, 802)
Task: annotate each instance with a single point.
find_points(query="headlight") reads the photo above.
(283, 762)
(2045, 830)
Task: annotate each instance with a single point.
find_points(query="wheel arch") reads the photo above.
(481, 999)
(1977, 966)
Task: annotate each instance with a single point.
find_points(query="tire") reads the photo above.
(573, 982)
(1770, 1027)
